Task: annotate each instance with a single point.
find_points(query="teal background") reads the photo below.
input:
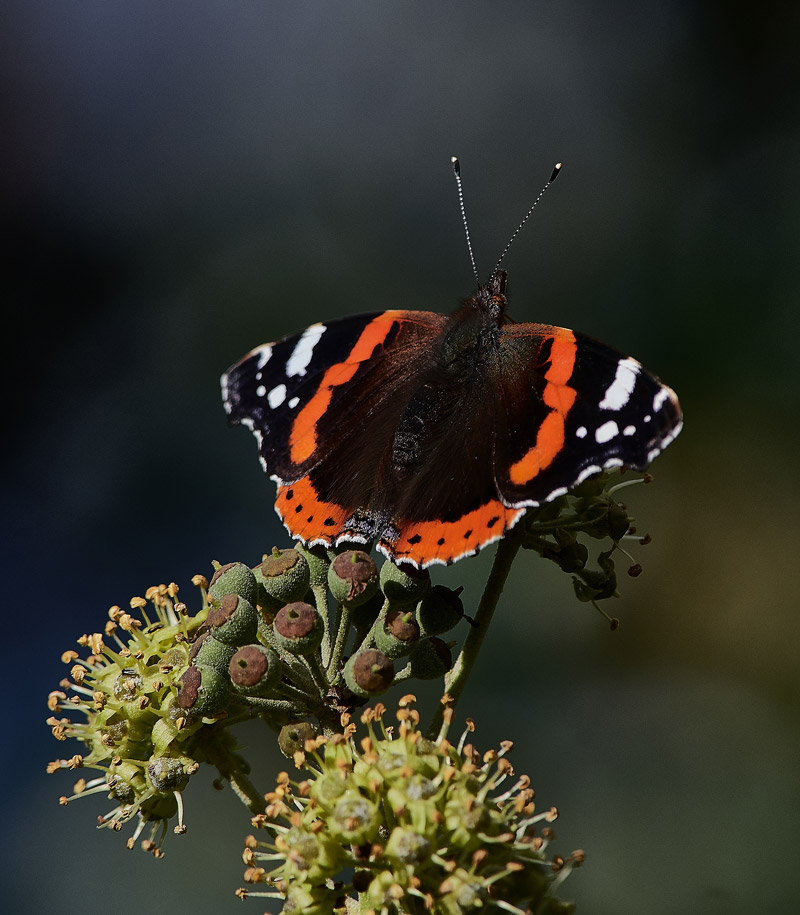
(183, 181)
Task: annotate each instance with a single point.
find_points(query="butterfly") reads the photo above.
(431, 434)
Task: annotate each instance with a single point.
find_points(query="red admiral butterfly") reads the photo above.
(432, 434)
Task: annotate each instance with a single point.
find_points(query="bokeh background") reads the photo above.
(185, 180)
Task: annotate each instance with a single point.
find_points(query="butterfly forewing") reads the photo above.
(320, 385)
(580, 407)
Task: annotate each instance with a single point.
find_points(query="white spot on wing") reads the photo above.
(665, 441)
(606, 432)
(629, 430)
(293, 403)
(619, 391)
(660, 399)
(264, 352)
(581, 432)
(261, 391)
(277, 396)
(304, 350)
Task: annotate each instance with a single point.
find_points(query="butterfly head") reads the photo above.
(490, 299)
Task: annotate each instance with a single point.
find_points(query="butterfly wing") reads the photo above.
(410, 428)
(324, 405)
(569, 406)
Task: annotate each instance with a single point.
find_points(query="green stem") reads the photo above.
(344, 614)
(320, 678)
(247, 792)
(231, 769)
(321, 600)
(456, 679)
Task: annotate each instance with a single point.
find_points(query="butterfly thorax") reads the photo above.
(443, 392)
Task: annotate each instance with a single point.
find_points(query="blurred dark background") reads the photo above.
(183, 181)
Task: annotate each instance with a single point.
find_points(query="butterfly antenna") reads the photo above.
(457, 173)
(556, 170)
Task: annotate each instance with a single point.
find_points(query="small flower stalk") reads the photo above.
(395, 822)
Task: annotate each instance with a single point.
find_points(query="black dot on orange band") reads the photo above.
(289, 494)
(415, 539)
(329, 522)
(492, 521)
(440, 541)
(467, 534)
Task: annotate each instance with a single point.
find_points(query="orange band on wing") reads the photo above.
(425, 542)
(559, 397)
(303, 437)
(306, 516)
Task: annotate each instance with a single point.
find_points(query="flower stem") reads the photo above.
(341, 629)
(456, 679)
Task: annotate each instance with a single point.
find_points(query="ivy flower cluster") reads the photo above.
(398, 823)
(400, 820)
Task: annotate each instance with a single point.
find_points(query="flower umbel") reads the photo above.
(405, 824)
(142, 745)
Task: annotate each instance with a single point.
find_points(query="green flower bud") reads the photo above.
(302, 848)
(353, 577)
(304, 899)
(618, 521)
(208, 651)
(369, 673)
(406, 847)
(460, 892)
(379, 895)
(298, 628)
(573, 557)
(166, 774)
(233, 578)
(284, 576)
(355, 819)
(204, 691)
(328, 788)
(431, 658)
(234, 621)
(254, 670)
(125, 783)
(292, 738)
(398, 634)
(403, 584)
(439, 610)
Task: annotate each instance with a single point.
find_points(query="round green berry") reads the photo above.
(353, 577)
(439, 610)
(204, 691)
(208, 651)
(369, 673)
(234, 621)
(399, 633)
(298, 628)
(254, 670)
(285, 575)
(292, 738)
(431, 658)
(233, 578)
(403, 584)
